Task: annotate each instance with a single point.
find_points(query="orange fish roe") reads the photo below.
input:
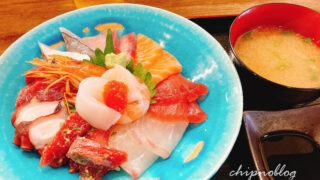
(115, 95)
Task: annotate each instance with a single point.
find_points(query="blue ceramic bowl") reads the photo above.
(202, 58)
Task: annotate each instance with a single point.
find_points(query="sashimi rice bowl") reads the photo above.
(111, 99)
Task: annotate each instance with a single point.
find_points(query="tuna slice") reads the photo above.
(54, 154)
(176, 100)
(47, 51)
(139, 159)
(36, 89)
(85, 151)
(43, 129)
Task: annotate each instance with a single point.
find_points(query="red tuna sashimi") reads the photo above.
(187, 111)
(98, 135)
(94, 159)
(176, 100)
(54, 154)
(126, 44)
(37, 89)
(176, 88)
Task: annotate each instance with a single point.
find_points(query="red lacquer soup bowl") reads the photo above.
(258, 91)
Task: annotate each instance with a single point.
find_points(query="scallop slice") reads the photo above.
(138, 93)
(91, 108)
(43, 129)
(139, 159)
(159, 136)
(47, 51)
(33, 110)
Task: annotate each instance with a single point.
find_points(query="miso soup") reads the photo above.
(281, 56)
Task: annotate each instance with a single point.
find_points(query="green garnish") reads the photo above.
(276, 43)
(112, 59)
(145, 76)
(248, 35)
(80, 160)
(99, 58)
(77, 128)
(286, 32)
(313, 77)
(284, 65)
(72, 107)
(103, 59)
(311, 60)
(307, 40)
(109, 43)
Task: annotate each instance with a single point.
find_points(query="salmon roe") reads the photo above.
(115, 95)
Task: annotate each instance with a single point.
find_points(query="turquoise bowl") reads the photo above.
(203, 60)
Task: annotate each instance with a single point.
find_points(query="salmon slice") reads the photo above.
(160, 63)
(164, 67)
(148, 51)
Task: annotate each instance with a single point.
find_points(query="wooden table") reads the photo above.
(19, 16)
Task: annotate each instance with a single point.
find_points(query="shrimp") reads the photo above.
(69, 66)
(90, 101)
(62, 69)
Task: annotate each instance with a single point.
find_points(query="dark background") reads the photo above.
(240, 155)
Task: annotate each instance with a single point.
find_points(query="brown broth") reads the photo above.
(281, 56)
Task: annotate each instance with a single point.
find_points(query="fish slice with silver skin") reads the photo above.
(75, 44)
(47, 51)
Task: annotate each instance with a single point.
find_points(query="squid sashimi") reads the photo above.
(158, 136)
(139, 159)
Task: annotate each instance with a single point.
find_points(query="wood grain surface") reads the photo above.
(19, 16)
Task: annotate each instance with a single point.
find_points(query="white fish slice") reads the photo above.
(47, 51)
(75, 44)
(139, 159)
(157, 136)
